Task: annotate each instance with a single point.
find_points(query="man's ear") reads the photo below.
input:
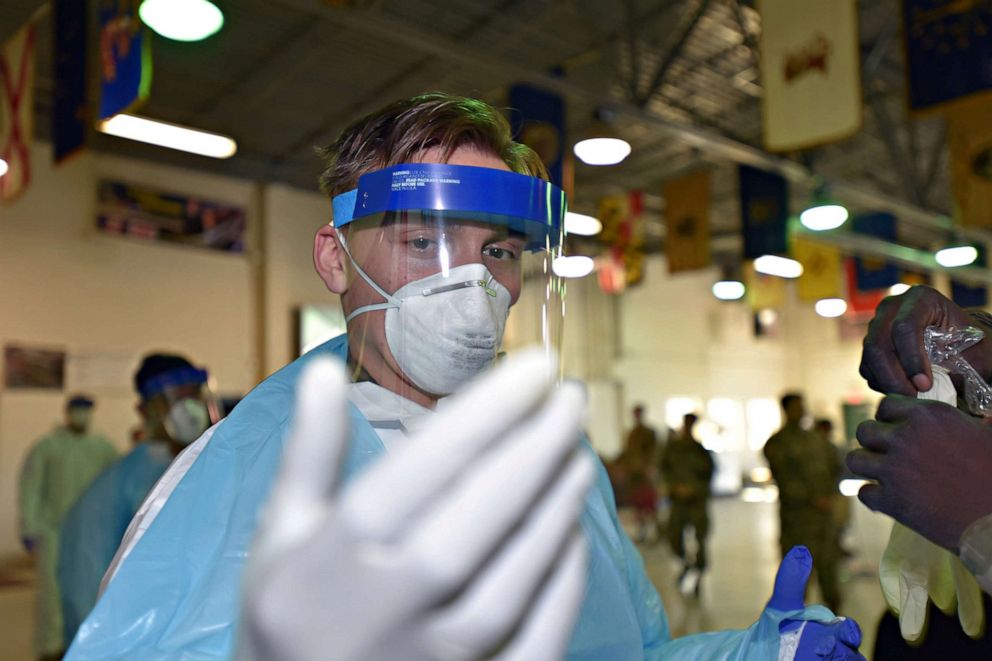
(330, 260)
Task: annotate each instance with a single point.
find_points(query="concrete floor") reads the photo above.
(744, 557)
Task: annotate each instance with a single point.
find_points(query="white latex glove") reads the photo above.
(915, 571)
(462, 544)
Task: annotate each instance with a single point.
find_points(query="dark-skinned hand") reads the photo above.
(894, 360)
(932, 464)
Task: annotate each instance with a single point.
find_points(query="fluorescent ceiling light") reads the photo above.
(782, 267)
(169, 135)
(728, 290)
(823, 217)
(831, 307)
(957, 256)
(577, 266)
(578, 223)
(182, 20)
(3, 167)
(898, 288)
(602, 151)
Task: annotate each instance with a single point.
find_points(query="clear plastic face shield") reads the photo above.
(438, 256)
(179, 405)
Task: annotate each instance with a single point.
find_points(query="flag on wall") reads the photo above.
(948, 50)
(821, 276)
(538, 121)
(687, 218)
(871, 272)
(969, 137)
(17, 110)
(810, 72)
(763, 292)
(764, 212)
(70, 113)
(623, 232)
(125, 58)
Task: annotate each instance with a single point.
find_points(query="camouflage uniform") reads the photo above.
(687, 468)
(806, 469)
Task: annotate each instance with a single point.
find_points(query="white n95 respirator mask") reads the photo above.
(186, 420)
(443, 329)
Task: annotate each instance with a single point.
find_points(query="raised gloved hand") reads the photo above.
(894, 359)
(834, 639)
(459, 545)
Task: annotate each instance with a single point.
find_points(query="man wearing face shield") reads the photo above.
(425, 506)
(57, 470)
(176, 409)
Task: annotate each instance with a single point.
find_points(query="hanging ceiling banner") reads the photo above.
(623, 232)
(821, 276)
(687, 219)
(810, 72)
(17, 110)
(125, 58)
(70, 112)
(948, 51)
(969, 138)
(538, 121)
(872, 273)
(764, 292)
(764, 212)
(860, 304)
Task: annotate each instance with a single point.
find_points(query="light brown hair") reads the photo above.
(398, 132)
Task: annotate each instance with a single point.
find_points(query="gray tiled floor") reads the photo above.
(744, 556)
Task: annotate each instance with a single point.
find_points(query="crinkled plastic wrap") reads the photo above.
(944, 347)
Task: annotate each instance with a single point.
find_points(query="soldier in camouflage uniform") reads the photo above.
(806, 468)
(687, 469)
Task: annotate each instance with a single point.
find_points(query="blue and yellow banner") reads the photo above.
(873, 273)
(538, 121)
(764, 212)
(687, 219)
(948, 50)
(125, 58)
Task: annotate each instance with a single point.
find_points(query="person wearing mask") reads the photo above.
(176, 409)
(687, 468)
(56, 471)
(806, 469)
(388, 495)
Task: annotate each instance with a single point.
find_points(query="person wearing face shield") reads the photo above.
(176, 409)
(394, 495)
(56, 471)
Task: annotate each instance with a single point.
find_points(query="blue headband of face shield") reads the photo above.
(531, 206)
(171, 379)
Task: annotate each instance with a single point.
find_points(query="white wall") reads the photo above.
(106, 301)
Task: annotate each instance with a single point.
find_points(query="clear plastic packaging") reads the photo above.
(944, 347)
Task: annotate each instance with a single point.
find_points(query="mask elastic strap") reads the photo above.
(391, 302)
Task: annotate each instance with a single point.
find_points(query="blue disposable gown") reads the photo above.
(94, 527)
(177, 594)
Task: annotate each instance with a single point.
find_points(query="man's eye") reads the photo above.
(420, 243)
(499, 253)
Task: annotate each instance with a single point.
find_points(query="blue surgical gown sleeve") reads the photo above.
(93, 528)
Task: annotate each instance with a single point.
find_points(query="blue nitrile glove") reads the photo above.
(809, 640)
